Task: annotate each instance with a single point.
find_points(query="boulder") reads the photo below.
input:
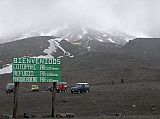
(69, 115)
(118, 114)
(61, 115)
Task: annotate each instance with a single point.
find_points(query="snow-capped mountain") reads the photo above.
(74, 33)
(85, 34)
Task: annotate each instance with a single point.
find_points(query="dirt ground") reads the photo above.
(111, 117)
(103, 99)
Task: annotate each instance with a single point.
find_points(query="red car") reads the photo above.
(60, 87)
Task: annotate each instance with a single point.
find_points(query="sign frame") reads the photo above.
(26, 67)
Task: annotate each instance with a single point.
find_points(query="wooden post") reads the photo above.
(53, 99)
(15, 103)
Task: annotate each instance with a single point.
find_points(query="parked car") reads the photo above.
(10, 88)
(79, 88)
(49, 88)
(34, 88)
(60, 87)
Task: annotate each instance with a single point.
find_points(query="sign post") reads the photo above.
(43, 70)
(53, 99)
(15, 101)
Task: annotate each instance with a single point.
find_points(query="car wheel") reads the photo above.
(58, 91)
(79, 91)
(71, 92)
(7, 91)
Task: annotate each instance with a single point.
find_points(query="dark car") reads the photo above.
(49, 88)
(10, 88)
(79, 88)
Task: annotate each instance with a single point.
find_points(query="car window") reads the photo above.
(83, 85)
(9, 86)
(86, 85)
(34, 86)
(77, 85)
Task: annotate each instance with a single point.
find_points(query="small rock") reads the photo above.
(99, 114)
(93, 101)
(6, 116)
(118, 114)
(112, 82)
(153, 108)
(61, 115)
(29, 115)
(133, 106)
(65, 101)
(122, 80)
(69, 115)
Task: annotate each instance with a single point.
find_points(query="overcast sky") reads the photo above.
(136, 17)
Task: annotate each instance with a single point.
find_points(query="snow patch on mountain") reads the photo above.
(59, 46)
(111, 40)
(80, 36)
(99, 38)
(6, 69)
(104, 35)
(67, 35)
(27, 35)
(54, 44)
(52, 48)
(42, 32)
(89, 48)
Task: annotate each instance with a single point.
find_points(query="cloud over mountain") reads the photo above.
(138, 17)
